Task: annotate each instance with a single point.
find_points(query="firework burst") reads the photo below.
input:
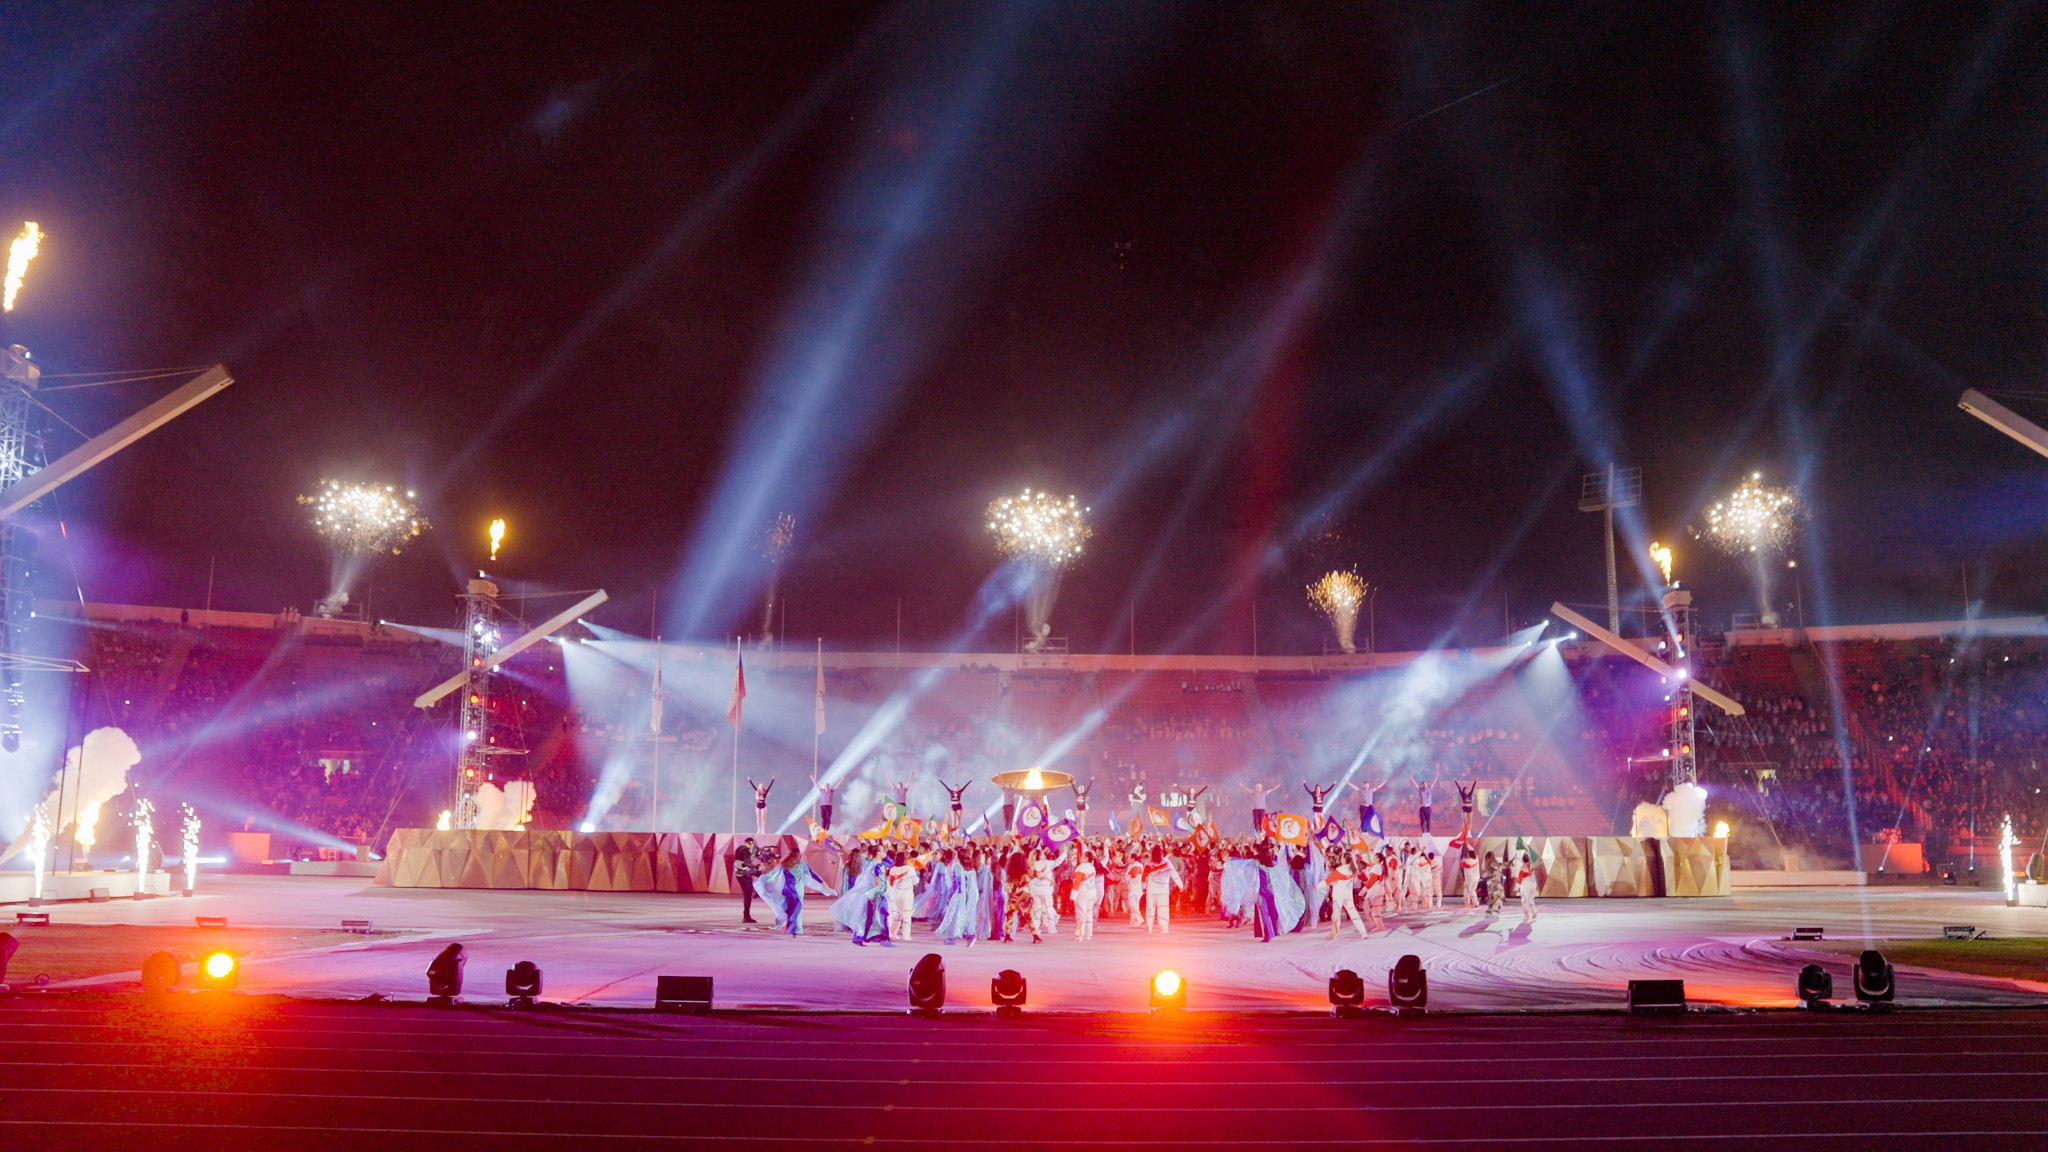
(1754, 519)
(779, 538)
(1338, 595)
(360, 522)
(1040, 527)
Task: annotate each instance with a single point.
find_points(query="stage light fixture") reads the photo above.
(1347, 993)
(691, 994)
(1816, 987)
(8, 946)
(928, 986)
(1873, 978)
(159, 972)
(522, 984)
(1006, 991)
(444, 975)
(218, 972)
(1169, 991)
(1408, 984)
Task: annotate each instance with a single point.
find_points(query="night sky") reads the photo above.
(1270, 286)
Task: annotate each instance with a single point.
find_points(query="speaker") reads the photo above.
(1656, 997)
(691, 994)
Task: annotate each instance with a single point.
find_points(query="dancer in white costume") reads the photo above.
(1433, 881)
(1343, 874)
(1161, 877)
(1087, 897)
(1044, 916)
(902, 881)
(1525, 885)
(1134, 888)
(1468, 863)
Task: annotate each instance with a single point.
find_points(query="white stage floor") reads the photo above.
(607, 948)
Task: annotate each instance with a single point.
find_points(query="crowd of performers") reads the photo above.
(1015, 887)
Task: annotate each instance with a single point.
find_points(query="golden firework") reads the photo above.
(1041, 527)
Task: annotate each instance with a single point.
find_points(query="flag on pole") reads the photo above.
(654, 715)
(818, 728)
(1032, 817)
(1288, 829)
(739, 689)
(1057, 836)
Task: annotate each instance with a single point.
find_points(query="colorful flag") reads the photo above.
(1201, 836)
(1330, 834)
(882, 831)
(1181, 823)
(1114, 828)
(1157, 817)
(1032, 817)
(739, 688)
(1058, 835)
(1288, 829)
(908, 829)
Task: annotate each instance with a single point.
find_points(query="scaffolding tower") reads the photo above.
(489, 724)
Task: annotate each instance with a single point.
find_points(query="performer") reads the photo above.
(1161, 877)
(899, 790)
(1316, 796)
(1343, 874)
(1238, 889)
(1016, 893)
(1310, 876)
(1525, 887)
(1422, 794)
(959, 819)
(746, 868)
(761, 804)
(1258, 790)
(1468, 867)
(783, 891)
(1279, 903)
(902, 888)
(960, 919)
(1044, 912)
(1369, 817)
(825, 792)
(1375, 880)
(1087, 896)
(1080, 791)
(1433, 881)
(1134, 888)
(1465, 791)
(1496, 885)
(989, 924)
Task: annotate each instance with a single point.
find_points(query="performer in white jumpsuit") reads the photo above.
(1044, 915)
(1087, 897)
(1161, 877)
(1134, 889)
(1343, 874)
(1433, 880)
(902, 894)
(1525, 885)
(1468, 863)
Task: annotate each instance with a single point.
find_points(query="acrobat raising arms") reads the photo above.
(761, 804)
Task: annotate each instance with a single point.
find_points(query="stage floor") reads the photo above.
(606, 949)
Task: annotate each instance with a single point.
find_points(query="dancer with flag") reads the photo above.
(859, 909)
(1161, 878)
(1044, 913)
(1343, 875)
(902, 888)
(782, 889)
(1087, 896)
(1368, 816)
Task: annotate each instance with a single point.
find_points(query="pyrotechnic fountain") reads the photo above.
(1338, 596)
(39, 848)
(1759, 522)
(191, 849)
(86, 834)
(1045, 533)
(143, 820)
(19, 253)
(360, 522)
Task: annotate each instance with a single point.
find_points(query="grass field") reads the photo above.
(2021, 958)
(75, 951)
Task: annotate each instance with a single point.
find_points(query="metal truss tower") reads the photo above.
(488, 728)
(1683, 730)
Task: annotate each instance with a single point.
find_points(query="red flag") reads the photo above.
(739, 690)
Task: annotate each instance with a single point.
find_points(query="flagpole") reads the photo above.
(818, 730)
(736, 757)
(655, 722)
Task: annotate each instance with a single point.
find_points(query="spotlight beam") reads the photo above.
(553, 624)
(1710, 695)
(2005, 420)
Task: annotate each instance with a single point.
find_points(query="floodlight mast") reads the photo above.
(2005, 420)
(1604, 492)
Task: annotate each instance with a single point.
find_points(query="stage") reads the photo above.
(606, 948)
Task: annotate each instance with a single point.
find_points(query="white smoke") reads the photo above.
(1687, 806)
(1650, 822)
(503, 811)
(94, 772)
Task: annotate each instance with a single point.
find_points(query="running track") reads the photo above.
(212, 1073)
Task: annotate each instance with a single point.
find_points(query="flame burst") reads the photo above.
(1660, 555)
(1040, 526)
(1338, 595)
(1754, 518)
(361, 519)
(22, 251)
(497, 537)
